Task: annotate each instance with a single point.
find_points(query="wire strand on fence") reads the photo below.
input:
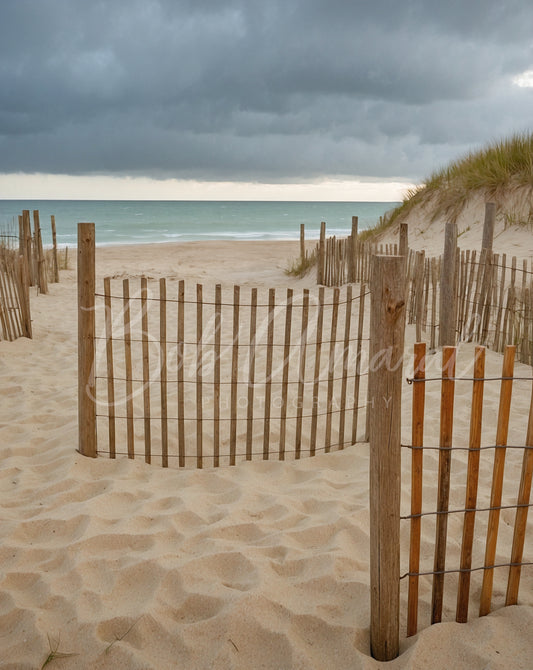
(453, 448)
(207, 457)
(228, 383)
(461, 511)
(229, 344)
(356, 298)
(484, 567)
(219, 419)
(412, 380)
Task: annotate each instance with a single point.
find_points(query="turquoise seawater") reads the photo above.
(137, 222)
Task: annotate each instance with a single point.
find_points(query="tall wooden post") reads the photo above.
(447, 306)
(403, 247)
(86, 341)
(321, 253)
(355, 226)
(39, 254)
(28, 254)
(387, 326)
(351, 249)
(302, 242)
(21, 235)
(54, 242)
(488, 226)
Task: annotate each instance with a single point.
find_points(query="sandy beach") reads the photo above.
(264, 565)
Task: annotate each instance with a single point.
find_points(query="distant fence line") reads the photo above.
(489, 301)
(23, 264)
(15, 317)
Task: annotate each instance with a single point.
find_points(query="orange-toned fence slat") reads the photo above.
(448, 488)
(497, 478)
(417, 437)
(443, 493)
(474, 444)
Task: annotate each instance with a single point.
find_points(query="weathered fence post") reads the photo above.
(24, 295)
(447, 306)
(42, 281)
(488, 226)
(54, 250)
(321, 254)
(403, 247)
(355, 226)
(352, 250)
(86, 341)
(387, 325)
(21, 235)
(26, 227)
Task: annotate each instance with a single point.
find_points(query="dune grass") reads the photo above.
(301, 266)
(494, 170)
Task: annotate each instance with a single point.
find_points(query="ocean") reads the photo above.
(141, 221)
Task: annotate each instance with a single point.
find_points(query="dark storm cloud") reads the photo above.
(229, 89)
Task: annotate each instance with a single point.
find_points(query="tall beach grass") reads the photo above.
(493, 171)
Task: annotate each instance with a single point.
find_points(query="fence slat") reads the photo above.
(285, 374)
(417, 437)
(345, 364)
(199, 376)
(316, 373)
(251, 375)
(443, 492)
(472, 478)
(110, 374)
(331, 368)
(520, 524)
(301, 373)
(127, 362)
(146, 372)
(163, 369)
(216, 377)
(234, 375)
(501, 298)
(497, 478)
(359, 347)
(469, 307)
(268, 373)
(181, 365)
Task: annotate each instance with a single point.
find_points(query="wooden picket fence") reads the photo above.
(180, 374)
(25, 263)
(468, 502)
(189, 374)
(15, 317)
(345, 260)
(493, 300)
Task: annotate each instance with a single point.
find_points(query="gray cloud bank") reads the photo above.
(266, 91)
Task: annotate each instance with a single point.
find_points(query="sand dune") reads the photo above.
(264, 565)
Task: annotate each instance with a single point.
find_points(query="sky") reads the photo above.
(241, 99)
